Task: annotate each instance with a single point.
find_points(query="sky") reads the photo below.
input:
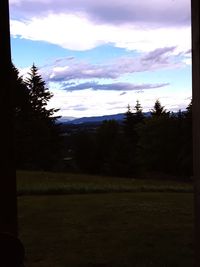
(98, 57)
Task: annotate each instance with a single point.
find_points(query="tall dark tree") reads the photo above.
(129, 123)
(107, 138)
(132, 118)
(160, 141)
(39, 137)
(139, 116)
(158, 110)
(39, 95)
(21, 94)
(85, 153)
(23, 111)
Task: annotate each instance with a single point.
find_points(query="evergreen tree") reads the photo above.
(39, 132)
(158, 110)
(131, 120)
(155, 144)
(85, 153)
(22, 118)
(21, 94)
(188, 113)
(107, 138)
(159, 141)
(129, 123)
(139, 116)
(39, 95)
(131, 137)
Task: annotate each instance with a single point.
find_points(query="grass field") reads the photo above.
(40, 183)
(84, 221)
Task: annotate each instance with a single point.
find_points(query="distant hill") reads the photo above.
(65, 119)
(118, 117)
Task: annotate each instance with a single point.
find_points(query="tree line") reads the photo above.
(159, 143)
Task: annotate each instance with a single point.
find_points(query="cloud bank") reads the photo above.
(120, 86)
(158, 31)
(69, 69)
(112, 12)
(134, 25)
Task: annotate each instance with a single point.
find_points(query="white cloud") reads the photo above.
(95, 103)
(154, 12)
(63, 30)
(73, 69)
(77, 32)
(160, 29)
(119, 86)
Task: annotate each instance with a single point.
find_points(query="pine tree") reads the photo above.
(129, 123)
(132, 119)
(130, 142)
(41, 137)
(138, 112)
(39, 95)
(21, 95)
(188, 113)
(158, 110)
(22, 116)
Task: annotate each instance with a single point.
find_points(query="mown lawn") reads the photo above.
(126, 229)
(32, 183)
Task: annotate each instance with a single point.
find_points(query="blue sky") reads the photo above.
(99, 56)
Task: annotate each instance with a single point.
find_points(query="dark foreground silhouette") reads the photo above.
(11, 251)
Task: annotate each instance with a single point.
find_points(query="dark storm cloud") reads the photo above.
(165, 12)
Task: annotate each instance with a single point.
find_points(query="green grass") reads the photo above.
(105, 230)
(39, 183)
